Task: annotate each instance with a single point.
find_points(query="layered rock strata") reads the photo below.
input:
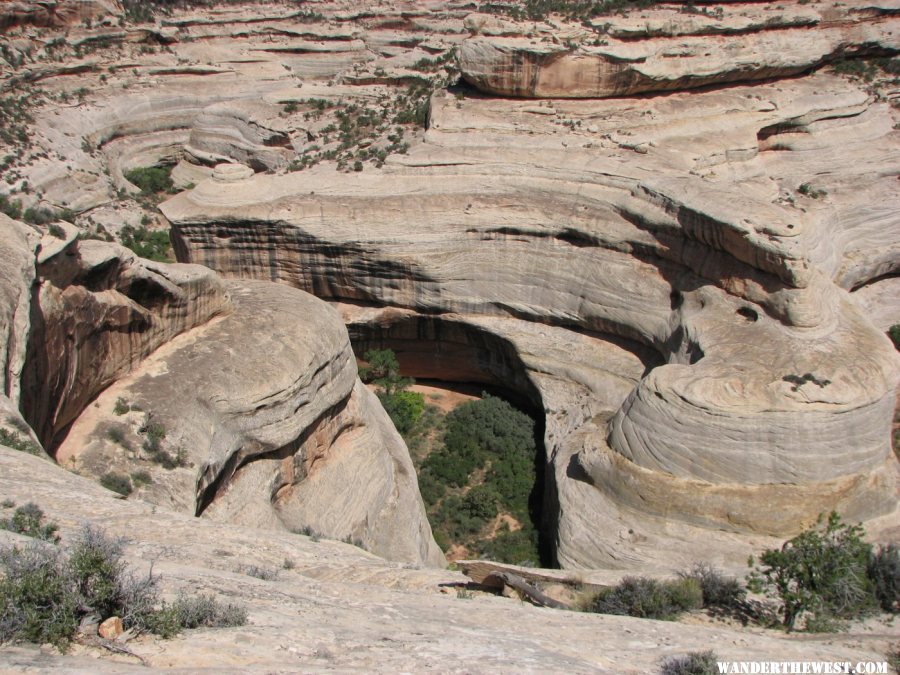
(671, 50)
(238, 402)
(98, 312)
(775, 386)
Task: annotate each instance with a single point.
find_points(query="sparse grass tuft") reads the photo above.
(121, 406)
(199, 611)
(263, 573)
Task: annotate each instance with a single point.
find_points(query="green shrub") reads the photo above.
(649, 598)
(156, 433)
(149, 244)
(116, 482)
(383, 370)
(820, 571)
(12, 208)
(43, 595)
(29, 520)
(480, 502)
(883, 570)
(38, 216)
(517, 548)
(97, 567)
(56, 231)
(121, 406)
(151, 180)
(894, 334)
(13, 440)
(38, 602)
(201, 611)
(141, 478)
(116, 434)
(718, 590)
(694, 663)
(404, 408)
(811, 192)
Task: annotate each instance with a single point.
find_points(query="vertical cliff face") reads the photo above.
(17, 250)
(98, 310)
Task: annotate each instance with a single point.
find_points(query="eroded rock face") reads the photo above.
(672, 51)
(98, 312)
(775, 388)
(56, 13)
(17, 255)
(234, 401)
(259, 418)
(675, 280)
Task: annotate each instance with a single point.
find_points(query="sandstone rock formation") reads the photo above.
(686, 274)
(675, 281)
(55, 13)
(767, 385)
(306, 446)
(669, 50)
(99, 312)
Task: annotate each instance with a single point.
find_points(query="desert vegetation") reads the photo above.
(151, 179)
(693, 663)
(571, 9)
(29, 520)
(46, 591)
(480, 487)
(828, 575)
(817, 581)
(476, 466)
(16, 441)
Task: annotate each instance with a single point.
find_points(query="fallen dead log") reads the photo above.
(524, 580)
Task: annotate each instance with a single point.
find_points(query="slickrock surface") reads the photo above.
(339, 608)
(672, 231)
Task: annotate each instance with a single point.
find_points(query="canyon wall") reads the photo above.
(167, 374)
